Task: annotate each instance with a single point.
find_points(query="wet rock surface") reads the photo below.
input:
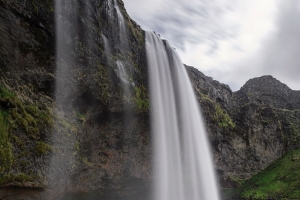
(110, 148)
(250, 128)
(103, 133)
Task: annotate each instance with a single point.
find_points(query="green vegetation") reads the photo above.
(236, 180)
(289, 124)
(222, 117)
(281, 180)
(6, 148)
(80, 117)
(6, 155)
(20, 122)
(43, 148)
(102, 83)
(38, 4)
(141, 100)
(20, 178)
(135, 31)
(216, 113)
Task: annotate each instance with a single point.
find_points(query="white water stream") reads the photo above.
(183, 166)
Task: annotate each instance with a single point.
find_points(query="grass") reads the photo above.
(6, 155)
(280, 180)
(20, 119)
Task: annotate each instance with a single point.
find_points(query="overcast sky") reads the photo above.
(229, 40)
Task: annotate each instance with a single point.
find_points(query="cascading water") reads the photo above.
(183, 167)
(120, 66)
(107, 49)
(122, 26)
(66, 26)
(121, 70)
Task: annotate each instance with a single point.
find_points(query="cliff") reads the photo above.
(99, 136)
(250, 128)
(88, 134)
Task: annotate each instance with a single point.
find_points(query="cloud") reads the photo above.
(181, 22)
(232, 40)
(278, 54)
(282, 53)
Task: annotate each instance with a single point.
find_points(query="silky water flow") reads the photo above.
(183, 166)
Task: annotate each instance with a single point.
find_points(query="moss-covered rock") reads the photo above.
(280, 180)
(98, 129)
(22, 126)
(250, 128)
(71, 127)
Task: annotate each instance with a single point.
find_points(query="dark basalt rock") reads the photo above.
(248, 129)
(273, 92)
(265, 114)
(99, 142)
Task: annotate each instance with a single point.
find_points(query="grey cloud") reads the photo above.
(201, 22)
(193, 23)
(279, 56)
(283, 52)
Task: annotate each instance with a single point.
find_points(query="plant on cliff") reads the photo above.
(141, 100)
(21, 123)
(222, 117)
(280, 180)
(6, 156)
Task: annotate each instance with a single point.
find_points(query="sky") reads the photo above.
(229, 40)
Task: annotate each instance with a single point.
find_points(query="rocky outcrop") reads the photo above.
(272, 92)
(99, 136)
(205, 85)
(89, 134)
(250, 128)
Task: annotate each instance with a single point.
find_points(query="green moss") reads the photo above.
(216, 113)
(5, 92)
(77, 146)
(141, 100)
(236, 180)
(289, 124)
(86, 162)
(43, 148)
(20, 123)
(80, 117)
(222, 117)
(280, 180)
(66, 125)
(102, 83)
(39, 4)
(135, 31)
(206, 98)
(20, 177)
(6, 148)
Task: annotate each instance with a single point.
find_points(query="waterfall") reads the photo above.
(120, 67)
(107, 49)
(122, 26)
(183, 166)
(66, 30)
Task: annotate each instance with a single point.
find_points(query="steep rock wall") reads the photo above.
(250, 128)
(100, 148)
(108, 153)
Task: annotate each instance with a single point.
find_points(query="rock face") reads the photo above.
(98, 131)
(99, 140)
(249, 128)
(273, 92)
